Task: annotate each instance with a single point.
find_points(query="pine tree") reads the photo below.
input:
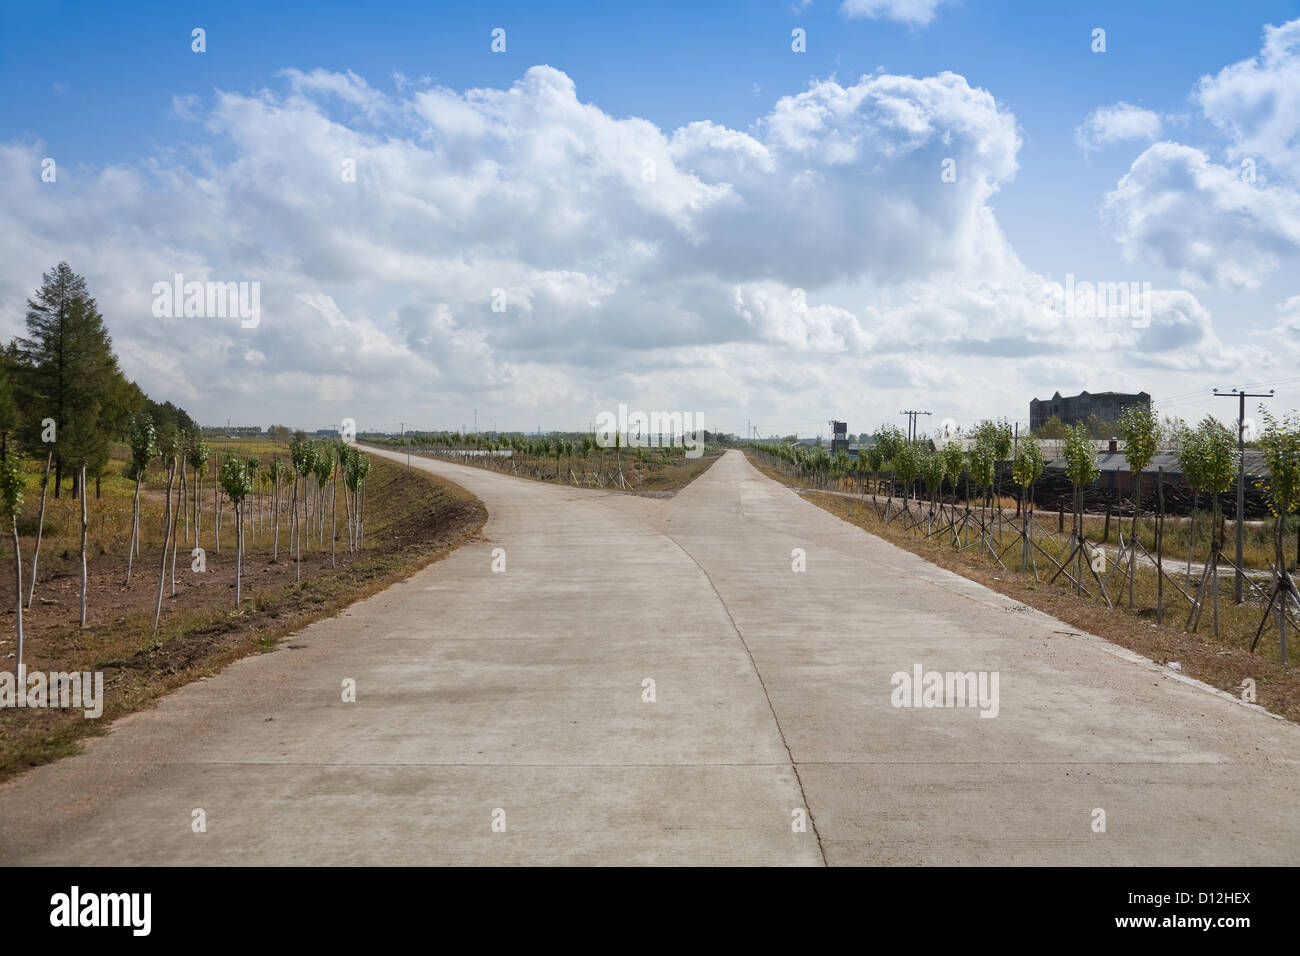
(72, 375)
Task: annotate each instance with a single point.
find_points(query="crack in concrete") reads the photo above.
(794, 766)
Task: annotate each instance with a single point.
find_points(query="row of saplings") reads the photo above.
(1208, 459)
(270, 487)
(478, 450)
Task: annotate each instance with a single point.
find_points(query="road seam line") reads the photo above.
(803, 795)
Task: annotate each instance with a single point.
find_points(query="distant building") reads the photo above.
(1107, 406)
(839, 437)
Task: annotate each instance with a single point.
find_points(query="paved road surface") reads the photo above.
(522, 692)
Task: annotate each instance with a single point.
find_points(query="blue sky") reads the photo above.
(96, 87)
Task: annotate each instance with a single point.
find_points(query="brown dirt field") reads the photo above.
(412, 519)
(651, 477)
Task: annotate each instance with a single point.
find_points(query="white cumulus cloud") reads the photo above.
(520, 250)
(1117, 123)
(1221, 225)
(914, 12)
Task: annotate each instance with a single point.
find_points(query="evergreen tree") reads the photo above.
(9, 417)
(72, 375)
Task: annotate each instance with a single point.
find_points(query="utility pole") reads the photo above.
(911, 423)
(402, 426)
(1241, 475)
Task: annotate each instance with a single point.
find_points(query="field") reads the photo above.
(640, 470)
(411, 518)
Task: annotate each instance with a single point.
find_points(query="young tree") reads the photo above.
(934, 469)
(346, 454)
(1025, 471)
(1218, 451)
(954, 463)
(1191, 461)
(1280, 443)
(363, 471)
(279, 472)
(11, 488)
(323, 468)
(85, 571)
(216, 501)
(875, 461)
(143, 441)
(302, 450)
(40, 526)
(357, 468)
(254, 479)
(182, 446)
(1027, 468)
(1140, 428)
(196, 456)
(890, 440)
(343, 454)
(996, 436)
(1081, 469)
(11, 504)
(169, 452)
(235, 481)
(981, 463)
(907, 464)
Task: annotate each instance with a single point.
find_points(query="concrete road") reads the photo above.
(519, 698)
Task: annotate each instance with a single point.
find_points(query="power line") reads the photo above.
(911, 422)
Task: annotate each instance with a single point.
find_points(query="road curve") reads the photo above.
(501, 717)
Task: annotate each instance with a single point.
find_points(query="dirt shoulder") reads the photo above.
(1215, 662)
(412, 519)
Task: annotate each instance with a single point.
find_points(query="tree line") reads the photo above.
(64, 401)
(62, 391)
(1208, 458)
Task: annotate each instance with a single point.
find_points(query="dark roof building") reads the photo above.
(1107, 406)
